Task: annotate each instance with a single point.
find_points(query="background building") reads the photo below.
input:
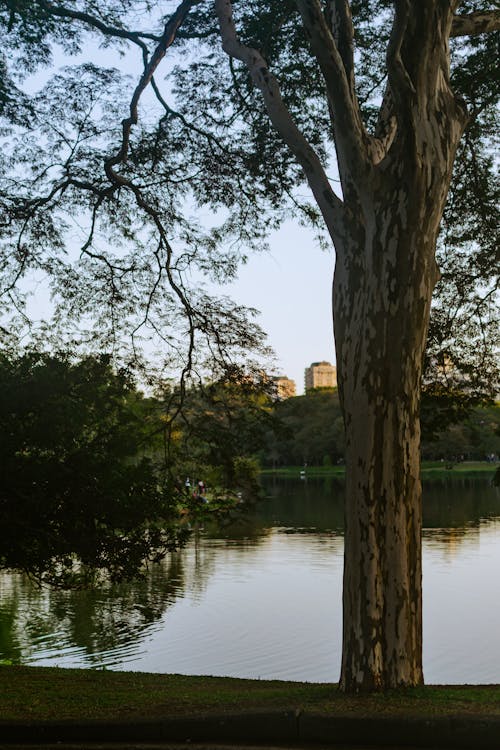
(285, 388)
(320, 375)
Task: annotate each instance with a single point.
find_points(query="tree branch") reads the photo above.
(329, 203)
(339, 14)
(133, 36)
(400, 82)
(476, 23)
(188, 125)
(350, 136)
(166, 41)
(386, 129)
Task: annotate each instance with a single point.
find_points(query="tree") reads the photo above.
(394, 182)
(369, 82)
(78, 494)
(220, 427)
(308, 429)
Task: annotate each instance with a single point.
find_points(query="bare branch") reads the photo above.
(329, 203)
(476, 23)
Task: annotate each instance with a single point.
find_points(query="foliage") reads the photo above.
(93, 472)
(125, 262)
(220, 427)
(309, 430)
(109, 215)
(464, 325)
(475, 437)
(79, 494)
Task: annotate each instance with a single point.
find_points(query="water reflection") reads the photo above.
(38, 623)
(261, 597)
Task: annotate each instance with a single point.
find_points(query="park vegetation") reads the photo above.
(79, 494)
(94, 473)
(310, 431)
(385, 109)
(93, 479)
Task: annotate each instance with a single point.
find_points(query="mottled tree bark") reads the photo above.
(382, 303)
(384, 279)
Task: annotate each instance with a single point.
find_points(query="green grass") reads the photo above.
(42, 693)
(430, 470)
(464, 470)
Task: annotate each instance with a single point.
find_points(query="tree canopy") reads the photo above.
(80, 493)
(119, 159)
(92, 485)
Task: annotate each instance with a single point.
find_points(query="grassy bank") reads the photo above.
(430, 470)
(40, 693)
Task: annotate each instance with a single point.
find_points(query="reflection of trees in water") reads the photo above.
(10, 644)
(313, 503)
(454, 508)
(95, 621)
(119, 617)
(200, 564)
(113, 618)
(451, 540)
(459, 503)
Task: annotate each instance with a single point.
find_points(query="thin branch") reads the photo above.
(188, 125)
(133, 36)
(153, 291)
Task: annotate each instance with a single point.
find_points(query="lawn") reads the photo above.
(47, 693)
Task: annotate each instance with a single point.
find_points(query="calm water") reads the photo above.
(263, 598)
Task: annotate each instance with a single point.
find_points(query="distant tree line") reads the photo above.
(309, 430)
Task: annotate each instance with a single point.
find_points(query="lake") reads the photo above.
(262, 598)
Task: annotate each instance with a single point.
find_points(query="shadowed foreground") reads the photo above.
(52, 706)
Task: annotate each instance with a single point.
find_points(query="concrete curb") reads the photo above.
(443, 732)
(273, 728)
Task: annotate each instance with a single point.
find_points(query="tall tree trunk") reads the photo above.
(384, 278)
(379, 356)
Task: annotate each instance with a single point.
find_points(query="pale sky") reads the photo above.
(291, 286)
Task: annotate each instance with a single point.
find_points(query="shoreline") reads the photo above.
(430, 470)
